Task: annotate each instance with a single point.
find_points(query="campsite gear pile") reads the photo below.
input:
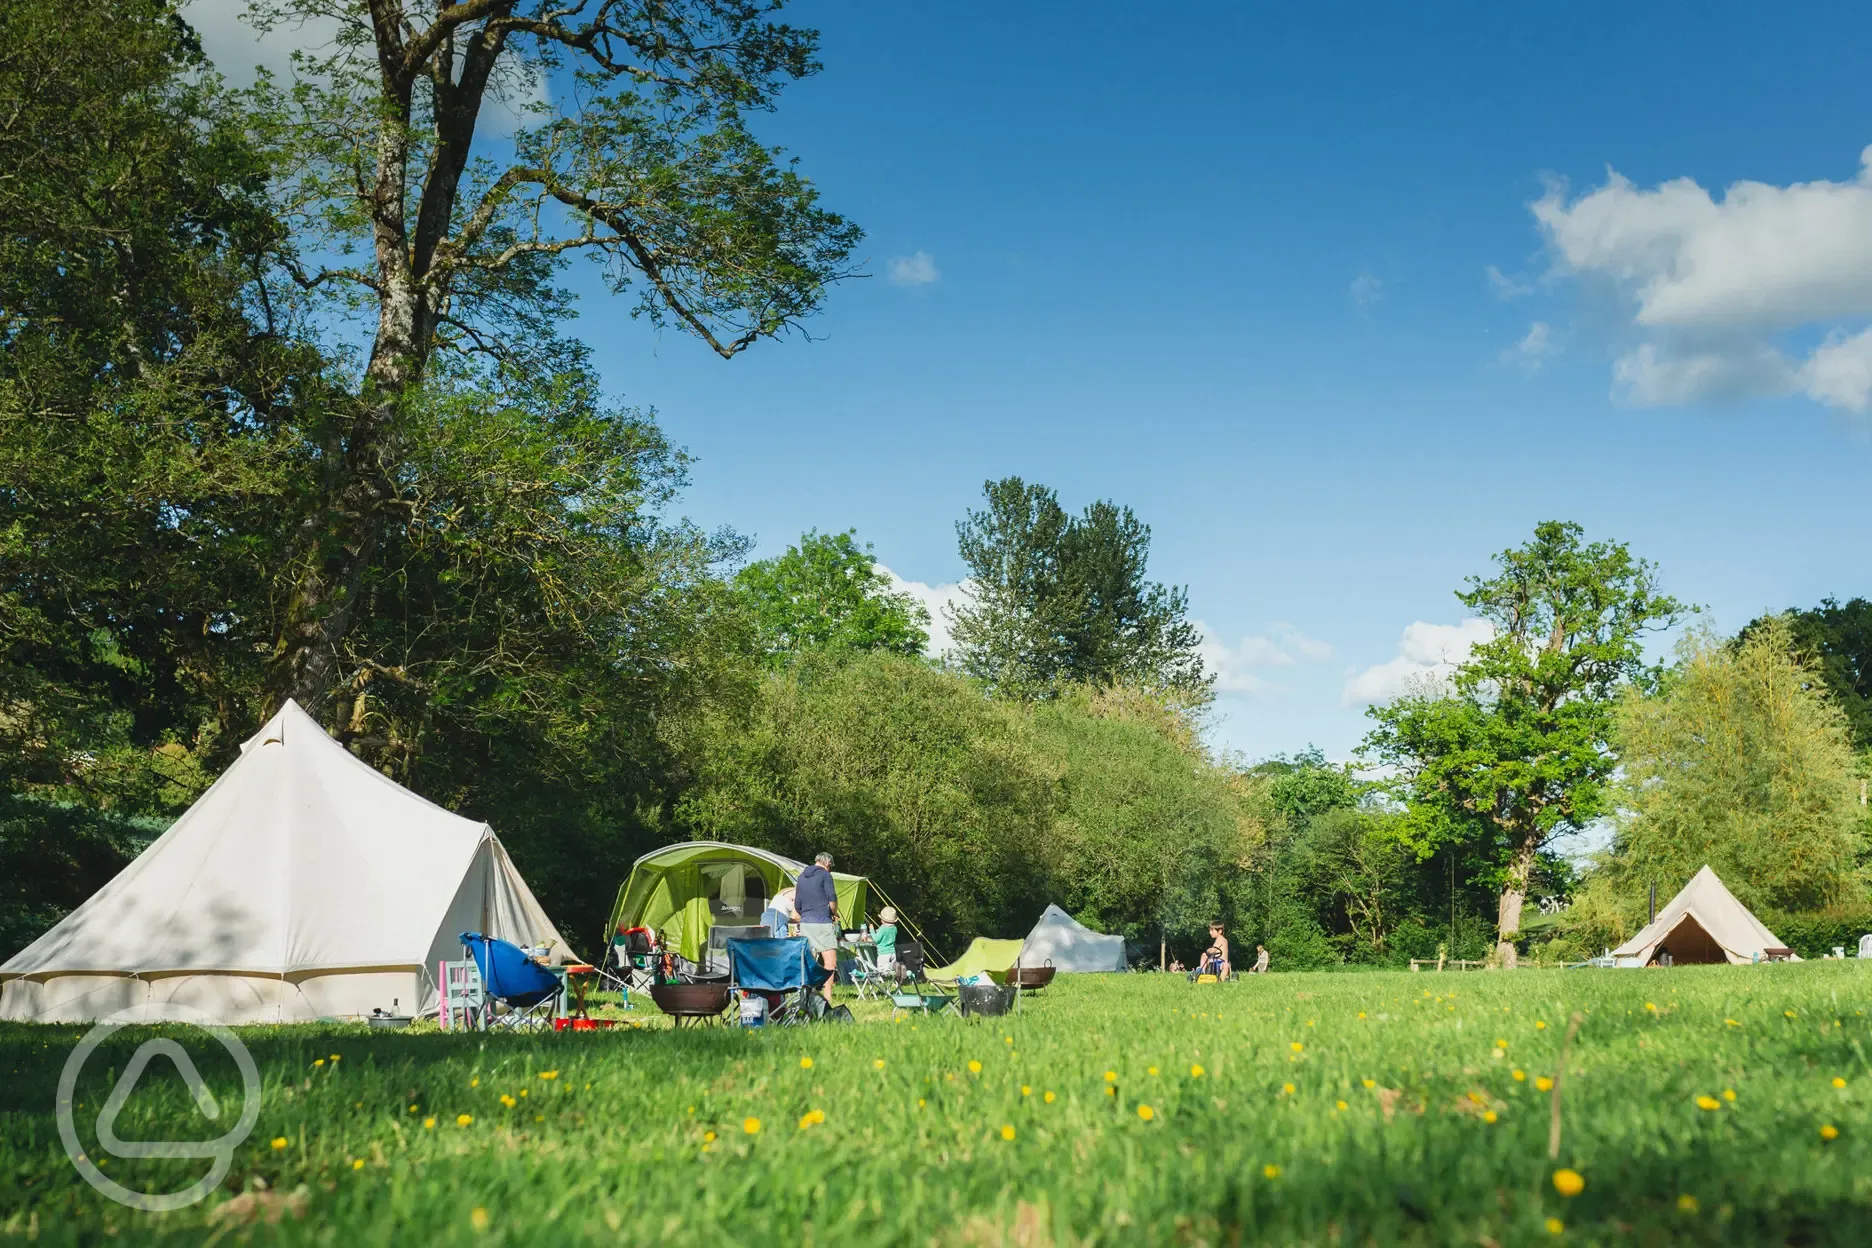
(304, 884)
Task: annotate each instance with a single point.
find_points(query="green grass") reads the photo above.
(611, 1140)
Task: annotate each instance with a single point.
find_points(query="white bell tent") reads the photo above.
(1066, 944)
(1703, 923)
(304, 884)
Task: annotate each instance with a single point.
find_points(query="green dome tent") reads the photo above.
(681, 891)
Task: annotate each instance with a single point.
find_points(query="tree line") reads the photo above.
(288, 408)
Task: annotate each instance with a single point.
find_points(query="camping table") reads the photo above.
(578, 979)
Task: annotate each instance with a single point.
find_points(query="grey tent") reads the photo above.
(1069, 945)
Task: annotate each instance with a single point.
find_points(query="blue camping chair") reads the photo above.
(782, 965)
(528, 990)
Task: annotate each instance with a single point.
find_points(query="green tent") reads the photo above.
(681, 891)
(993, 956)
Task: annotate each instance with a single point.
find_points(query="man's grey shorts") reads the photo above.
(820, 937)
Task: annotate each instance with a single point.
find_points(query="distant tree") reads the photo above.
(1518, 749)
(827, 594)
(1743, 762)
(1061, 599)
(1836, 640)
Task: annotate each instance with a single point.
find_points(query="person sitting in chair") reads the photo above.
(1215, 959)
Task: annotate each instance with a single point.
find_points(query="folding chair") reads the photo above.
(865, 975)
(530, 992)
(783, 968)
(909, 992)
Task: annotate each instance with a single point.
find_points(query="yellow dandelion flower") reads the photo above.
(508, 1101)
(1025, 1090)
(806, 1120)
(1555, 1226)
(1539, 1025)
(317, 1062)
(1361, 1013)
(279, 1143)
(1789, 1013)
(1146, 1112)
(1728, 1094)
(475, 1082)
(1651, 1006)
(1007, 1131)
(751, 1125)
(921, 1102)
(429, 1124)
(877, 1063)
(1501, 1044)
(357, 1163)
(1151, 1071)
(1297, 1047)
(1287, 1089)
(549, 1074)
(334, 1057)
(1339, 1104)
(1520, 1076)
(1488, 1116)
(478, 1219)
(1829, 1132)
(1686, 1203)
(464, 1120)
(1370, 1083)
(412, 1109)
(1568, 1182)
(1708, 1102)
(1542, 1083)
(1731, 1022)
(708, 1137)
(1111, 1076)
(1110, 1091)
(523, 1091)
(1838, 1082)
(1047, 1096)
(1270, 1171)
(974, 1067)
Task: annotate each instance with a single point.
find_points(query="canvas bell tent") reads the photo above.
(1703, 923)
(1062, 942)
(302, 885)
(681, 891)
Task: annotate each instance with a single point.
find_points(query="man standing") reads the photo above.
(817, 903)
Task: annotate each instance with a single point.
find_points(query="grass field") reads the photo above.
(1349, 1109)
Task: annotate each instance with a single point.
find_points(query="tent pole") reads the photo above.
(904, 918)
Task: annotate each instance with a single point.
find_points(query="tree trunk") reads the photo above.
(1514, 893)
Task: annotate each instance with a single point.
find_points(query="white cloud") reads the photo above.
(1365, 291)
(1426, 653)
(1506, 287)
(1235, 666)
(1536, 347)
(918, 269)
(937, 600)
(1713, 285)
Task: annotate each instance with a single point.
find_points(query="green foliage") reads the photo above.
(1835, 641)
(827, 594)
(1517, 749)
(54, 856)
(975, 813)
(1816, 934)
(1060, 599)
(1740, 762)
(1247, 1140)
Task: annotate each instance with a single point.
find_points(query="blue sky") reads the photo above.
(1340, 299)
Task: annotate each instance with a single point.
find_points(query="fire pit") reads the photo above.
(692, 1003)
(1030, 978)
